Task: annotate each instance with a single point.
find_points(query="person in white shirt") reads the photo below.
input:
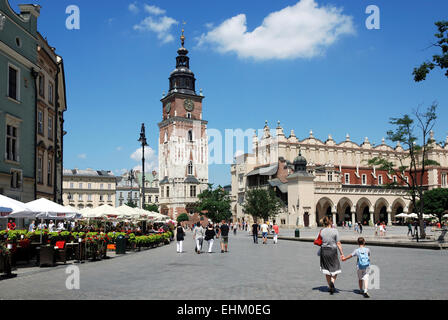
(60, 226)
(51, 226)
(264, 232)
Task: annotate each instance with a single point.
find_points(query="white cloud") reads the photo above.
(154, 10)
(82, 156)
(133, 8)
(303, 30)
(161, 26)
(151, 159)
(119, 148)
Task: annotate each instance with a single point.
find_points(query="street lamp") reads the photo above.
(142, 140)
(131, 177)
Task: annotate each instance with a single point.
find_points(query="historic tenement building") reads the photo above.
(32, 103)
(18, 71)
(151, 187)
(315, 178)
(49, 122)
(88, 188)
(183, 145)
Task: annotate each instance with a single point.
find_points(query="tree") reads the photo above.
(214, 204)
(436, 202)
(182, 217)
(131, 204)
(438, 60)
(151, 207)
(415, 160)
(261, 203)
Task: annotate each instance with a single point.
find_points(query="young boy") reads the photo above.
(363, 265)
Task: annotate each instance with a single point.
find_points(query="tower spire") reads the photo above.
(182, 37)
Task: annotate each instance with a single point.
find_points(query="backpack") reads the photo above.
(363, 259)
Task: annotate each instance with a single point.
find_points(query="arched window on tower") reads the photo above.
(165, 138)
(190, 135)
(190, 168)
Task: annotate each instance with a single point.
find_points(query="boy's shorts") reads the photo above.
(225, 239)
(264, 234)
(363, 274)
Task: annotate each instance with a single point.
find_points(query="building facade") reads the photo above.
(88, 188)
(49, 119)
(152, 190)
(18, 70)
(32, 104)
(315, 178)
(183, 143)
(127, 190)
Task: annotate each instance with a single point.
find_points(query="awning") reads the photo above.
(283, 187)
(264, 171)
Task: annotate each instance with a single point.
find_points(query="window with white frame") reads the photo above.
(347, 178)
(40, 122)
(395, 179)
(11, 143)
(89, 186)
(14, 82)
(167, 191)
(109, 186)
(89, 197)
(101, 186)
(80, 185)
(80, 198)
(157, 199)
(109, 197)
(444, 180)
(72, 185)
(50, 93)
(380, 180)
(16, 179)
(101, 197)
(330, 176)
(190, 168)
(50, 127)
(192, 191)
(42, 86)
(190, 135)
(40, 168)
(50, 172)
(364, 179)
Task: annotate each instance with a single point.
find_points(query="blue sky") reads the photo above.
(347, 80)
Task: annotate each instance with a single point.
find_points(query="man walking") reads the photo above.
(255, 228)
(224, 234)
(264, 232)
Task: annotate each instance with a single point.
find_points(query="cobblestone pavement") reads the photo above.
(286, 270)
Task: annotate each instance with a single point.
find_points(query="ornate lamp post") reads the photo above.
(142, 140)
(131, 178)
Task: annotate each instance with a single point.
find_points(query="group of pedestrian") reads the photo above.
(264, 228)
(329, 242)
(201, 234)
(358, 227)
(380, 229)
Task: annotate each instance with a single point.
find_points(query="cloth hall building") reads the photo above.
(315, 178)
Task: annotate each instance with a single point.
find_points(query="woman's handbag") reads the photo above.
(318, 241)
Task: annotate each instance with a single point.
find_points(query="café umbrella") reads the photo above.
(18, 209)
(46, 209)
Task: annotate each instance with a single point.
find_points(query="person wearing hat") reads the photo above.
(209, 237)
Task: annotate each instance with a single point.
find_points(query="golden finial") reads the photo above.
(182, 37)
